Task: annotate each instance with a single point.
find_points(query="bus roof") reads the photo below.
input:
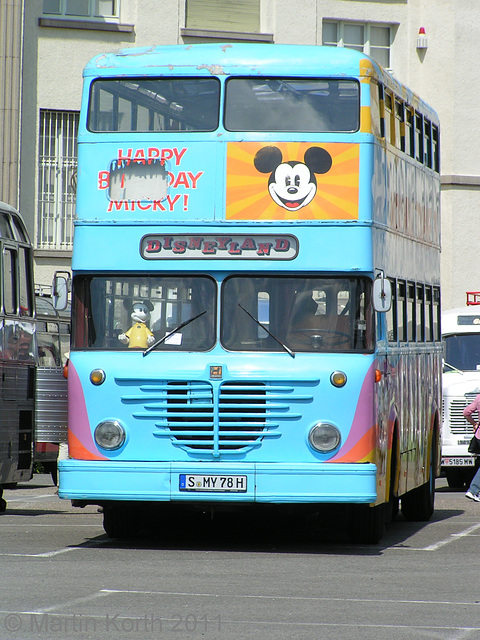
(223, 59)
(229, 58)
(461, 320)
(19, 228)
(7, 207)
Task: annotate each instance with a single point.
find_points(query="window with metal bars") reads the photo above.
(370, 38)
(57, 168)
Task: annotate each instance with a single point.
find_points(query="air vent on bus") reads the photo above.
(240, 415)
(208, 419)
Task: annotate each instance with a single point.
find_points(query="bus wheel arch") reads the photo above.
(366, 524)
(419, 503)
(121, 520)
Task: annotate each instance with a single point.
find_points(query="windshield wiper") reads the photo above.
(289, 351)
(450, 366)
(170, 333)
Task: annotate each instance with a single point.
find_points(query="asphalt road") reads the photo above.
(235, 578)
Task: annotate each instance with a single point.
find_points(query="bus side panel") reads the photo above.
(361, 444)
(408, 418)
(80, 441)
(51, 405)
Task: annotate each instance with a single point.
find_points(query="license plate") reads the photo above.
(228, 484)
(458, 462)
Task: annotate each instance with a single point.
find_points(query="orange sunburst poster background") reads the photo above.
(248, 197)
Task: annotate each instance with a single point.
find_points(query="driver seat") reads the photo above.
(310, 331)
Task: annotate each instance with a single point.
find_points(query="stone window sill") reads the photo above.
(65, 23)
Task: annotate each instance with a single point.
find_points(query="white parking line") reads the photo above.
(48, 554)
(441, 543)
(81, 622)
(237, 596)
(51, 554)
(30, 498)
(85, 621)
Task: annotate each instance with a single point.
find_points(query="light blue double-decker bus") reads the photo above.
(255, 287)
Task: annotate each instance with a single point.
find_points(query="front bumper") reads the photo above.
(278, 483)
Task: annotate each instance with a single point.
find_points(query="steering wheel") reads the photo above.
(337, 337)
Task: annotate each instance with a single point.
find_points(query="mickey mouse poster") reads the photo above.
(292, 184)
(292, 181)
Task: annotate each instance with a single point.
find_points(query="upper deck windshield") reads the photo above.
(462, 351)
(251, 104)
(292, 104)
(154, 105)
(263, 314)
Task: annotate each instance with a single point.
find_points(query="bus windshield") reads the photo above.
(462, 351)
(105, 309)
(306, 314)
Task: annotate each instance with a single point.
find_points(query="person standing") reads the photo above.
(473, 492)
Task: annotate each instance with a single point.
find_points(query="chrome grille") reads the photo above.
(241, 413)
(189, 413)
(225, 418)
(457, 423)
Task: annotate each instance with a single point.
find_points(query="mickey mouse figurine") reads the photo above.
(139, 335)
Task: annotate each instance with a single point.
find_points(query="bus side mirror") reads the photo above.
(61, 282)
(382, 294)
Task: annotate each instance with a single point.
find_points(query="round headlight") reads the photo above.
(324, 437)
(109, 435)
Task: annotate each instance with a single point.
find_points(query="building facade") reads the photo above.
(11, 43)
(429, 45)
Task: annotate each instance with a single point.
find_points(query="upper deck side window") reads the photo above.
(389, 118)
(400, 124)
(427, 140)
(419, 137)
(409, 132)
(251, 104)
(407, 128)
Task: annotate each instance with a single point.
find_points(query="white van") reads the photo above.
(461, 383)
